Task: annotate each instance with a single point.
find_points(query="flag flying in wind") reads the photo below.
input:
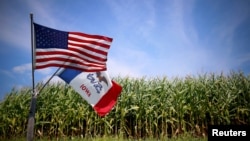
(75, 50)
(95, 87)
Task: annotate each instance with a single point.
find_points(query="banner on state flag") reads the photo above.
(75, 50)
(95, 87)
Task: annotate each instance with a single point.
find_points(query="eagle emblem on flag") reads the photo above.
(101, 78)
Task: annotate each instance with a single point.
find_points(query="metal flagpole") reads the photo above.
(31, 119)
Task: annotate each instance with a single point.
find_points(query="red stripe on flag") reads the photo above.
(88, 55)
(76, 54)
(107, 102)
(65, 60)
(86, 47)
(93, 36)
(88, 69)
(89, 42)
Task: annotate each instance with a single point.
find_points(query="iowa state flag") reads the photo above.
(95, 87)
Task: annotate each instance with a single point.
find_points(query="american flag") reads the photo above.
(75, 50)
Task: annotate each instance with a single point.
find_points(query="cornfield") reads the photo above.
(147, 107)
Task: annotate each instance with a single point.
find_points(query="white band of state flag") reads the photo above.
(95, 87)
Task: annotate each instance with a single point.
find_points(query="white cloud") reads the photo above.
(45, 71)
(40, 75)
(53, 80)
(22, 68)
(117, 68)
(7, 73)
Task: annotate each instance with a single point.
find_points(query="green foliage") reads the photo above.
(146, 108)
(184, 137)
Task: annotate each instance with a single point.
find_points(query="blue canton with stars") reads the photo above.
(50, 38)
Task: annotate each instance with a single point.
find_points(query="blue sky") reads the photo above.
(151, 38)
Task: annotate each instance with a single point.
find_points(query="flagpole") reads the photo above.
(31, 119)
(32, 52)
